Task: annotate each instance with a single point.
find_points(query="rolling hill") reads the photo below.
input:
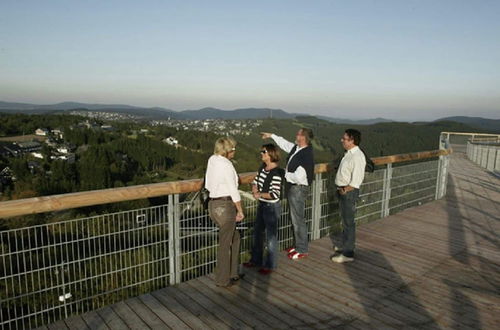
(489, 125)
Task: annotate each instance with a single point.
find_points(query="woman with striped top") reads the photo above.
(266, 188)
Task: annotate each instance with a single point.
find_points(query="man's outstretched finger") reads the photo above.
(265, 135)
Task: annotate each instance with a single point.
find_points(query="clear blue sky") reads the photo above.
(406, 60)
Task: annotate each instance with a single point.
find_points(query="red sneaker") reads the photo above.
(265, 271)
(290, 250)
(297, 255)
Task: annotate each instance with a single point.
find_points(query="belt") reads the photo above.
(224, 198)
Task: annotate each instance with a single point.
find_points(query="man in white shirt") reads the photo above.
(299, 174)
(349, 178)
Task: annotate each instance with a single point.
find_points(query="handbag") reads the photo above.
(204, 194)
(370, 165)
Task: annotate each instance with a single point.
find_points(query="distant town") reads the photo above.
(219, 126)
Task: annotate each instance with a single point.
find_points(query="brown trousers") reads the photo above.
(223, 213)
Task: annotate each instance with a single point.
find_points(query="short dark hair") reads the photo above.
(308, 133)
(273, 152)
(354, 134)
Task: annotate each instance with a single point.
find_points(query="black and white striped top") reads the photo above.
(273, 186)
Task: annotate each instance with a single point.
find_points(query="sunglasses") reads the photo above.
(263, 151)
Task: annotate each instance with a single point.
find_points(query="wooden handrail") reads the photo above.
(104, 196)
(467, 134)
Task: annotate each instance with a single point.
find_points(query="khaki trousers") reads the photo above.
(223, 213)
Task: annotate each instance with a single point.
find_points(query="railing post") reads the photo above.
(171, 240)
(382, 205)
(444, 173)
(316, 206)
(438, 177)
(478, 154)
(490, 164)
(497, 161)
(174, 241)
(386, 191)
(444, 142)
(484, 159)
(441, 180)
(177, 239)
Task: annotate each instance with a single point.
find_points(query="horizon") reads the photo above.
(411, 61)
(229, 110)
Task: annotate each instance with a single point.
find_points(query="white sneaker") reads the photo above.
(341, 258)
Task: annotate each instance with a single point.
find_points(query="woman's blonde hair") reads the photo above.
(224, 145)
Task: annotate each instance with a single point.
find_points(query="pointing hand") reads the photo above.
(265, 135)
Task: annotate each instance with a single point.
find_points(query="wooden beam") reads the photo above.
(113, 195)
(393, 159)
(468, 134)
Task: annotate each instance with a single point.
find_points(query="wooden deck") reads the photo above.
(432, 266)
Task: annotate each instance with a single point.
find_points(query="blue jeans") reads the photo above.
(268, 215)
(347, 205)
(297, 196)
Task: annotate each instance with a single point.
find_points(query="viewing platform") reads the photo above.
(430, 261)
(431, 266)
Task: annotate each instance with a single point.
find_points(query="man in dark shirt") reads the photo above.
(299, 174)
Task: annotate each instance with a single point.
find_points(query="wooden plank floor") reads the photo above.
(432, 266)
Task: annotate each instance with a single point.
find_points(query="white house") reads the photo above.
(171, 141)
(69, 157)
(63, 149)
(42, 132)
(37, 155)
(57, 132)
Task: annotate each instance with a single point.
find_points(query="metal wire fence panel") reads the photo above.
(53, 270)
(369, 203)
(413, 185)
(371, 197)
(486, 154)
(198, 237)
(329, 216)
(50, 271)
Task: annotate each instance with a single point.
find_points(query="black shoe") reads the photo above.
(237, 278)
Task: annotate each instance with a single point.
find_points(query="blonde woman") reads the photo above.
(224, 207)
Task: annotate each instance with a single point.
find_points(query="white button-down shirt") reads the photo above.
(300, 174)
(351, 171)
(221, 178)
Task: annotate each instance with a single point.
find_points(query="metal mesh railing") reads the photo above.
(52, 270)
(485, 154)
(413, 185)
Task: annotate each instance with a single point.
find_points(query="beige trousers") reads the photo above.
(223, 213)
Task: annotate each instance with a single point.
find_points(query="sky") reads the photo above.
(402, 60)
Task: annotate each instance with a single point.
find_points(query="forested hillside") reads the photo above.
(128, 156)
